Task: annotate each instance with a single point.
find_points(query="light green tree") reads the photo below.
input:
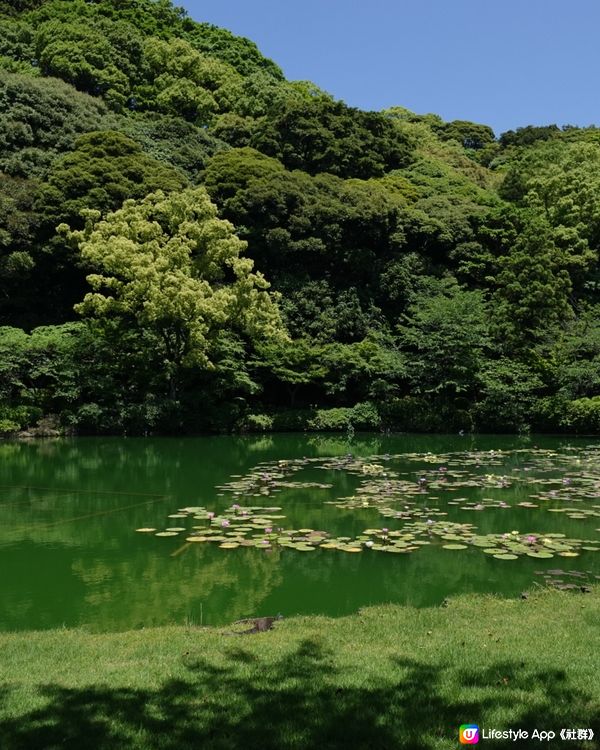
(169, 267)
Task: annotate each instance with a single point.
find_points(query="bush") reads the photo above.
(363, 416)
(7, 426)
(257, 423)
(583, 415)
(21, 416)
(336, 419)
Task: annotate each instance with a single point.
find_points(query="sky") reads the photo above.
(507, 64)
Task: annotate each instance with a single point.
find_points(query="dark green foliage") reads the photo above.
(583, 415)
(533, 287)
(322, 135)
(428, 276)
(14, 7)
(446, 333)
(528, 135)
(239, 52)
(39, 370)
(40, 118)
(470, 135)
(324, 240)
(19, 224)
(172, 141)
(508, 394)
(103, 170)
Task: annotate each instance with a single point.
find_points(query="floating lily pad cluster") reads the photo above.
(268, 478)
(250, 526)
(416, 502)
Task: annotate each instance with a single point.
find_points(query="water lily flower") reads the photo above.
(225, 523)
(531, 539)
(268, 530)
(210, 515)
(368, 544)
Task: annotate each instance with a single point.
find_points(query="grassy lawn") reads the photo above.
(387, 677)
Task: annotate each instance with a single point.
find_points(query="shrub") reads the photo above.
(583, 415)
(257, 422)
(7, 426)
(362, 416)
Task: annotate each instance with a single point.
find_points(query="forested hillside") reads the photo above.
(190, 242)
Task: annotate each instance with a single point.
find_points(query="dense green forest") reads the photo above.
(190, 242)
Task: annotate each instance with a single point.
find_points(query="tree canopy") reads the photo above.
(189, 241)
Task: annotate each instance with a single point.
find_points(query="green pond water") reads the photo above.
(463, 514)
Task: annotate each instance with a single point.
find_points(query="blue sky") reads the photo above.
(507, 63)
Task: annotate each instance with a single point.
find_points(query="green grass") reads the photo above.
(387, 677)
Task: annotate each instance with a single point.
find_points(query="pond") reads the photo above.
(118, 533)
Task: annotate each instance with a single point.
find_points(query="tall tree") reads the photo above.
(166, 265)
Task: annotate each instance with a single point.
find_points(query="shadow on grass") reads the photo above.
(300, 702)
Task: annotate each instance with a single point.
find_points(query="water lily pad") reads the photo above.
(229, 545)
(454, 546)
(540, 555)
(145, 530)
(506, 557)
(166, 533)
